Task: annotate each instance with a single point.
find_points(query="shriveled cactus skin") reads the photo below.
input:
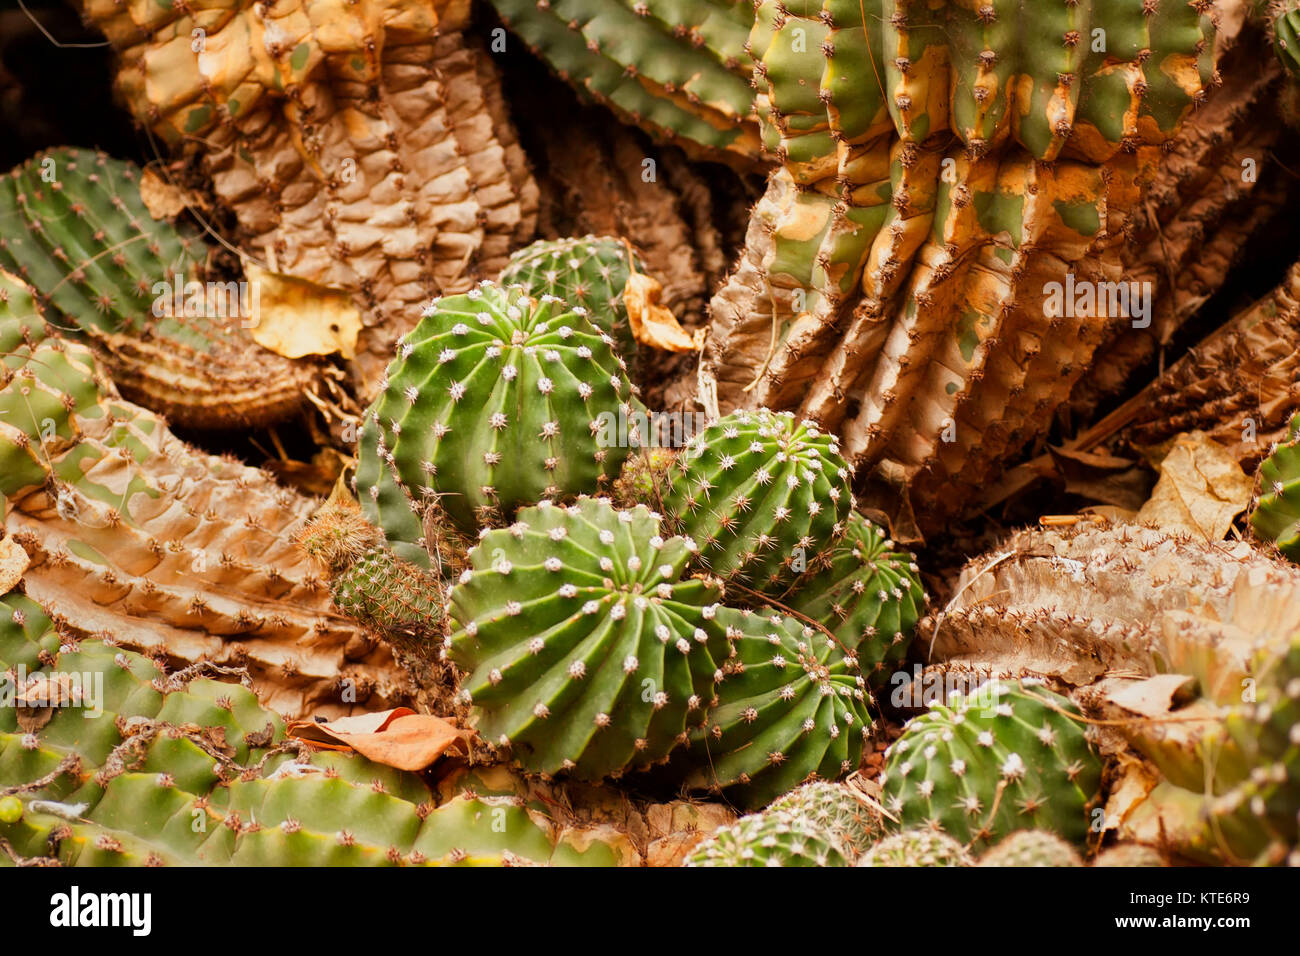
(586, 649)
(493, 402)
(867, 593)
(590, 272)
(676, 69)
(918, 847)
(791, 708)
(757, 491)
(980, 767)
(1276, 517)
(73, 225)
(187, 771)
(1032, 848)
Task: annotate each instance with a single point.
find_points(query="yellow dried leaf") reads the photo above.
(13, 562)
(652, 323)
(293, 317)
(164, 200)
(1201, 488)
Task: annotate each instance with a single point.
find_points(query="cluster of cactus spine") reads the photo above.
(1006, 757)
(818, 824)
(677, 69)
(1032, 848)
(495, 401)
(921, 846)
(762, 494)
(867, 593)
(589, 272)
(73, 225)
(188, 770)
(1276, 517)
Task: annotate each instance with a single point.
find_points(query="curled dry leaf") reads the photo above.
(294, 317)
(398, 738)
(163, 199)
(652, 323)
(1201, 489)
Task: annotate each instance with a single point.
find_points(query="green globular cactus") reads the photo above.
(771, 838)
(1276, 517)
(588, 273)
(495, 401)
(1130, 854)
(762, 494)
(585, 648)
(676, 68)
(1032, 848)
(74, 227)
(791, 708)
(176, 770)
(867, 593)
(400, 600)
(1005, 757)
(918, 847)
(1284, 24)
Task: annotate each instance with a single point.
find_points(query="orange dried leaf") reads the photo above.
(398, 738)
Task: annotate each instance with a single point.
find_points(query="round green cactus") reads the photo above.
(1276, 517)
(792, 708)
(1130, 854)
(919, 847)
(837, 808)
(867, 593)
(1032, 848)
(762, 494)
(772, 838)
(1006, 757)
(589, 273)
(586, 651)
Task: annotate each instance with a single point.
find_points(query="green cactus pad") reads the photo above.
(494, 402)
(588, 273)
(762, 495)
(792, 708)
(1006, 757)
(1276, 517)
(1032, 848)
(919, 847)
(586, 649)
(867, 593)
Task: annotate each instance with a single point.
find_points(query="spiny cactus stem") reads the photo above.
(786, 609)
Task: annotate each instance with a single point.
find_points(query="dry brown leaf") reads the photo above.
(1104, 478)
(13, 562)
(294, 317)
(398, 738)
(1201, 489)
(652, 323)
(164, 200)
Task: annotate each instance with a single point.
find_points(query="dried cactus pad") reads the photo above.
(586, 650)
(495, 401)
(792, 708)
(588, 273)
(74, 226)
(867, 593)
(1006, 757)
(759, 491)
(1277, 516)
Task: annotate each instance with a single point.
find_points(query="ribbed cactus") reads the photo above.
(73, 226)
(586, 648)
(1004, 758)
(1129, 855)
(589, 273)
(194, 771)
(918, 847)
(125, 523)
(818, 824)
(676, 69)
(791, 708)
(762, 494)
(494, 402)
(1276, 517)
(867, 593)
(1032, 848)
